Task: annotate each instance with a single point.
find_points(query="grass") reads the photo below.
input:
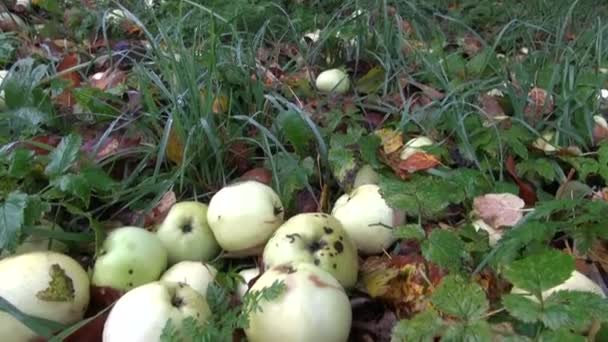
(224, 88)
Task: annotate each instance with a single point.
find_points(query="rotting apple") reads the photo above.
(141, 314)
(333, 80)
(243, 216)
(247, 274)
(129, 257)
(315, 238)
(42, 284)
(367, 218)
(312, 307)
(195, 274)
(186, 234)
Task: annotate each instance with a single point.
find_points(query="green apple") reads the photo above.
(366, 175)
(333, 80)
(312, 307)
(141, 314)
(186, 234)
(244, 215)
(315, 238)
(43, 284)
(247, 274)
(368, 219)
(129, 257)
(195, 274)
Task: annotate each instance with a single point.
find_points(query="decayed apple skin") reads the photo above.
(43, 284)
(141, 314)
(312, 307)
(367, 218)
(195, 274)
(244, 215)
(186, 234)
(315, 238)
(129, 257)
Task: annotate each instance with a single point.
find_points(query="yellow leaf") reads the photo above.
(391, 139)
(175, 148)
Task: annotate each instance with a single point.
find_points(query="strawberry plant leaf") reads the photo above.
(62, 157)
(422, 328)
(573, 310)
(522, 308)
(11, 219)
(19, 163)
(75, 185)
(409, 231)
(540, 272)
(459, 297)
(469, 332)
(444, 248)
(561, 335)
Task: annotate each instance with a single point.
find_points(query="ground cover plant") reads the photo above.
(303, 170)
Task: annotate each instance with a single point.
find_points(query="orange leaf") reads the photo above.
(66, 98)
(418, 162)
(391, 140)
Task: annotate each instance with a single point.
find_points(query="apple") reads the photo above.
(243, 216)
(247, 274)
(333, 80)
(186, 234)
(366, 175)
(197, 275)
(413, 146)
(367, 218)
(315, 238)
(312, 307)
(141, 314)
(129, 257)
(43, 284)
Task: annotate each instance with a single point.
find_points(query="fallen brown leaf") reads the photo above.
(499, 210)
(526, 190)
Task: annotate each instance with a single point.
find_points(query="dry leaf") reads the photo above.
(499, 210)
(108, 79)
(391, 140)
(540, 103)
(526, 189)
(418, 162)
(66, 98)
(175, 148)
(158, 214)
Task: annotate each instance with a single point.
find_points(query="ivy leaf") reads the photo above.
(468, 332)
(574, 310)
(421, 328)
(540, 272)
(522, 308)
(444, 248)
(63, 155)
(459, 297)
(11, 219)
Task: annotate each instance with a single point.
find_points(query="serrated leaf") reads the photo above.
(409, 232)
(12, 219)
(522, 308)
(19, 163)
(296, 130)
(368, 147)
(292, 174)
(574, 310)
(343, 165)
(444, 248)
(562, 335)
(423, 327)
(459, 297)
(540, 272)
(75, 185)
(541, 167)
(35, 210)
(62, 157)
(471, 332)
(98, 179)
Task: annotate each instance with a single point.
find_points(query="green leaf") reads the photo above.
(369, 146)
(296, 130)
(471, 332)
(538, 167)
(444, 248)
(409, 232)
(522, 308)
(562, 335)
(540, 272)
(574, 310)
(75, 185)
(98, 179)
(372, 81)
(343, 165)
(11, 219)
(459, 297)
(41, 327)
(20, 163)
(292, 174)
(63, 155)
(423, 327)
(35, 210)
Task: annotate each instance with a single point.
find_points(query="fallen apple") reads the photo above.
(197, 275)
(366, 175)
(367, 218)
(43, 284)
(312, 307)
(333, 80)
(315, 238)
(243, 216)
(186, 234)
(129, 257)
(141, 314)
(247, 274)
